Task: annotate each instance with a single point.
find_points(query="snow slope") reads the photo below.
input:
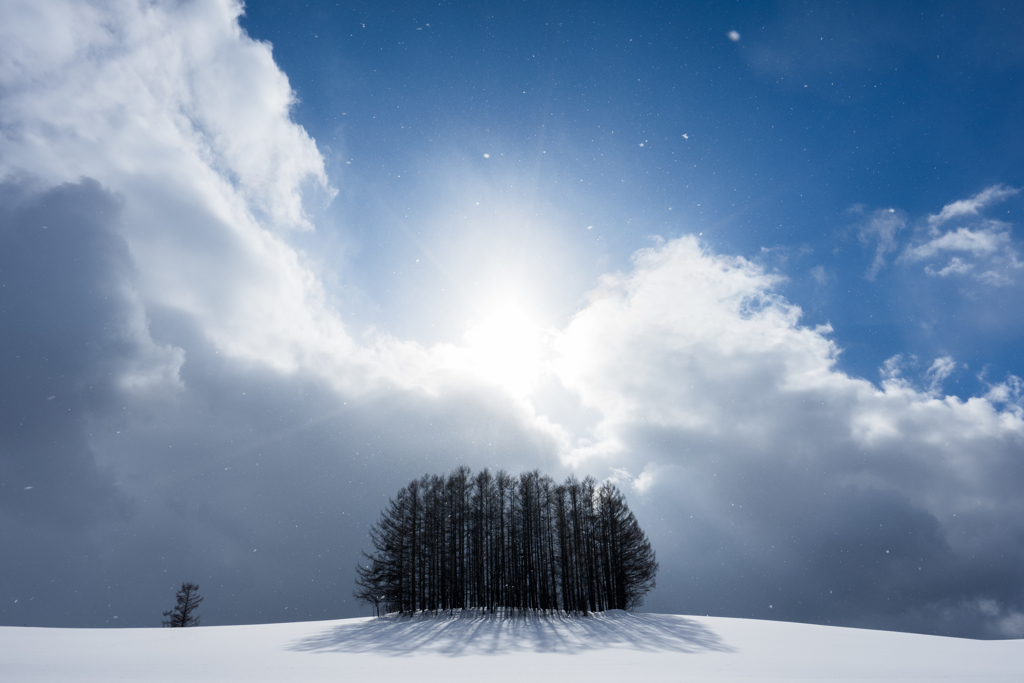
(610, 647)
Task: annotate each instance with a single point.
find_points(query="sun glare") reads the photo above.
(506, 348)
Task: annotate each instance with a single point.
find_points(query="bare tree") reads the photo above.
(184, 613)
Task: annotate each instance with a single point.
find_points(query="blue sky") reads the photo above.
(817, 116)
(758, 263)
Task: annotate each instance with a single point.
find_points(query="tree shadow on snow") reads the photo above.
(471, 632)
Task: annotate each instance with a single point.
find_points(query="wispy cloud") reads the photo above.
(980, 241)
(973, 205)
(940, 369)
(881, 228)
(983, 251)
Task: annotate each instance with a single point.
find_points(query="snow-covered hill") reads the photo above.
(610, 647)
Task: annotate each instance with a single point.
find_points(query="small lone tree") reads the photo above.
(184, 613)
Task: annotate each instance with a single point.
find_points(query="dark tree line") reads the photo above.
(497, 541)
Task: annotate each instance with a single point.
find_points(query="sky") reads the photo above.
(757, 263)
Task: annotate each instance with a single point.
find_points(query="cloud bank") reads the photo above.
(762, 463)
(186, 402)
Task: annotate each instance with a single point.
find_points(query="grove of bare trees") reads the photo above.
(503, 542)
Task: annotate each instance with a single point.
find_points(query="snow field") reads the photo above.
(614, 646)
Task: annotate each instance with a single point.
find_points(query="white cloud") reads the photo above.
(699, 342)
(996, 278)
(971, 207)
(759, 457)
(699, 319)
(640, 484)
(647, 478)
(128, 88)
(175, 109)
(892, 370)
(980, 242)
(983, 250)
(956, 266)
(881, 228)
(1009, 393)
(940, 369)
(695, 351)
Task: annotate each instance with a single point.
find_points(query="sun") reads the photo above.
(506, 347)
